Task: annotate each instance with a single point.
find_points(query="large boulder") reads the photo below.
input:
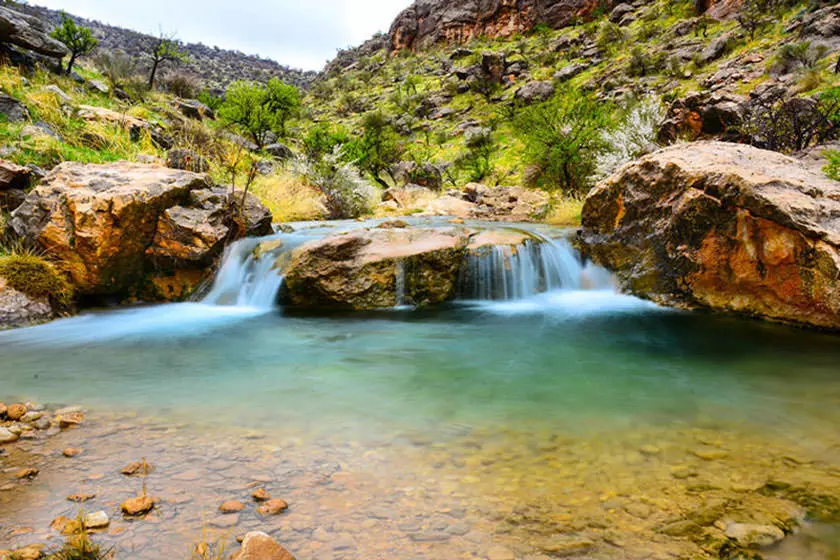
(725, 227)
(377, 268)
(117, 227)
(29, 33)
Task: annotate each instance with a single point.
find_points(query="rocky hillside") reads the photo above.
(214, 66)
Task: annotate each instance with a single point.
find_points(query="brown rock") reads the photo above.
(80, 498)
(260, 495)
(140, 505)
(31, 552)
(231, 506)
(28, 473)
(259, 546)
(15, 411)
(273, 507)
(137, 468)
(69, 420)
(722, 226)
(71, 452)
(360, 270)
(117, 226)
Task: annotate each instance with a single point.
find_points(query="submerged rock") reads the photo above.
(365, 269)
(722, 226)
(259, 546)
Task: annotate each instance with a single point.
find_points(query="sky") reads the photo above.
(300, 33)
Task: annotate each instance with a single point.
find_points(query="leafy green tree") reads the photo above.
(563, 138)
(79, 40)
(323, 139)
(378, 148)
(164, 49)
(258, 109)
(476, 161)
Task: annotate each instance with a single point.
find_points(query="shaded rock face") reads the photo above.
(118, 227)
(428, 22)
(363, 269)
(29, 33)
(725, 227)
(19, 310)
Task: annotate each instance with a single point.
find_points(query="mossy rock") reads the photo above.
(36, 278)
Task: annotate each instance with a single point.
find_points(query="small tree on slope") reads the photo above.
(79, 40)
(164, 49)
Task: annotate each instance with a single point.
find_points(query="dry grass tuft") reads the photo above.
(565, 211)
(289, 198)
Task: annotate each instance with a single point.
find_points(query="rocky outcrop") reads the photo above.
(28, 32)
(428, 22)
(119, 228)
(725, 227)
(365, 269)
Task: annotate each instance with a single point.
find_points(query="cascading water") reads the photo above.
(539, 265)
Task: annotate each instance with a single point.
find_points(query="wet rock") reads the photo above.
(722, 226)
(31, 552)
(137, 468)
(27, 473)
(16, 411)
(259, 546)
(274, 506)
(751, 535)
(710, 454)
(567, 547)
(96, 520)
(69, 420)
(80, 498)
(71, 452)
(225, 521)
(360, 270)
(260, 495)
(106, 224)
(498, 552)
(231, 506)
(31, 417)
(7, 436)
(137, 506)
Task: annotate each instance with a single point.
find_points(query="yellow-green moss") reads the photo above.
(37, 278)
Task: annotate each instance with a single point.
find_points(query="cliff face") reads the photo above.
(427, 22)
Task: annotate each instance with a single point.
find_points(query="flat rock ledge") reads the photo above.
(725, 227)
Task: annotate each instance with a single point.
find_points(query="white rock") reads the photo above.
(7, 436)
(98, 520)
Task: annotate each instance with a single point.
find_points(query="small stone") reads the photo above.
(7, 436)
(42, 424)
(754, 535)
(564, 547)
(710, 454)
(231, 506)
(69, 420)
(273, 507)
(260, 495)
(97, 520)
(15, 412)
(649, 450)
(641, 511)
(28, 474)
(140, 505)
(31, 552)
(681, 473)
(60, 523)
(498, 552)
(31, 416)
(137, 468)
(80, 498)
(71, 452)
(259, 546)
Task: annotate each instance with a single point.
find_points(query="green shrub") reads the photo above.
(378, 148)
(78, 40)
(476, 160)
(258, 109)
(832, 168)
(610, 36)
(346, 193)
(563, 138)
(210, 99)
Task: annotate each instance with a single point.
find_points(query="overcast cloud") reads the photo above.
(301, 33)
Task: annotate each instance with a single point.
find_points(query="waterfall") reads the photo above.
(248, 277)
(506, 272)
(399, 278)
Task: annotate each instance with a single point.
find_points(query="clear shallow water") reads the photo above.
(582, 359)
